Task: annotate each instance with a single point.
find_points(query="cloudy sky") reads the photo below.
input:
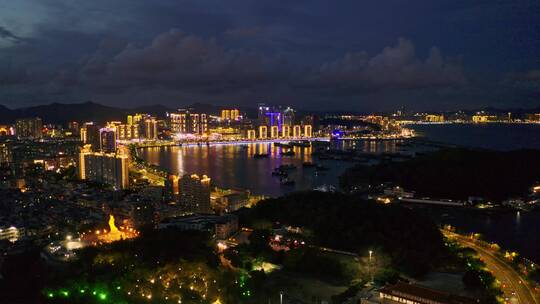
(314, 54)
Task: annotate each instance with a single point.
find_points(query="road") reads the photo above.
(513, 285)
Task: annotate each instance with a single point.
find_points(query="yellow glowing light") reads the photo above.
(115, 234)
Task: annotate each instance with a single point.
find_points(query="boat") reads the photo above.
(308, 165)
(286, 167)
(321, 168)
(261, 155)
(288, 153)
(304, 143)
(283, 145)
(287, 182)
(280, 173)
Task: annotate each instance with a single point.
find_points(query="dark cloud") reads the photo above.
(395, 67)
(527, 84)
(531, 75)
(176, 60)
(244, 32)
(316, 53)
(8, 35)
(205, 69)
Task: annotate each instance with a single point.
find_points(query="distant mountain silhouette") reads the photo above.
(60, 113)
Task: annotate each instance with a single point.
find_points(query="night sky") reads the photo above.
(322, 55)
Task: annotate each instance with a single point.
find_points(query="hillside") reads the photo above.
(88, 111)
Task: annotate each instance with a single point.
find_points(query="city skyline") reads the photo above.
(321, 56)
(291, 152)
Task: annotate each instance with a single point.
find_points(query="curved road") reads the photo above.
(515, 288)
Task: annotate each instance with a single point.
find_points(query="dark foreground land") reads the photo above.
(455, 174)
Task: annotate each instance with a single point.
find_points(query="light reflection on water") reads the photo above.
(234, 166)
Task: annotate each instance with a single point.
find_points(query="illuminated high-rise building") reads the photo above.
(274, 132)
(308, 131)
(275, 116)
(482, 118)
(83, 135)
(127, 132)
(135, 119)
(225, 114)
(288, 116)
(113, 124)
(186, 122)
(29, 128)
(194, 193)
(73, 126)
(6, 155)
(286, 131)
(263, 132)
(107, 168)
(434, 118)
(107, 140)
(233, 114)
(297, 131)
(312, 120)
(150, 128)
(90, 135)
(262, 118)
(251, 134)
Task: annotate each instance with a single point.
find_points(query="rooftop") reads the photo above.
(423, 294)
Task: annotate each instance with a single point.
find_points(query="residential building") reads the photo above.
(251, 134)
(308, 131)
(288, 116)
(187, 122)
(107, 140)
(107, 168)
(233, 114)
(274, 132)
(150, 128)
(6, 155)
(297, 131)
(434, 118)
(134, 119)
(263, 132)
(482, 118)
(73, 126)
(90, 135)
(194, 193)
(127, 131)
(29, 128)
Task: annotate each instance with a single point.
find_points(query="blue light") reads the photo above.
(337, 133)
